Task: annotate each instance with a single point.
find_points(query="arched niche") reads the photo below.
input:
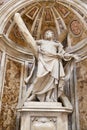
(39, 16)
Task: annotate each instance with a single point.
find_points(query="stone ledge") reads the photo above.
(44, 106)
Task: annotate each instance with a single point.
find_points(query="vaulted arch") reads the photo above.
(16, 60)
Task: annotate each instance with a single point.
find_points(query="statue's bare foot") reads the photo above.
(60, 92)
(66, 101)
(32, 98)
(49, 99)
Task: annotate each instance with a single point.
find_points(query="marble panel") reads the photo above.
(82, 93)
(10, 95)
(0, 58)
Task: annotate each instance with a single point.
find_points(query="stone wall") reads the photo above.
(82, 93)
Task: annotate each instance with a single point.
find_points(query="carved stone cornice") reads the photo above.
(14, 50)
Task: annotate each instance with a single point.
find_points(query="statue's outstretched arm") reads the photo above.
(26, 34)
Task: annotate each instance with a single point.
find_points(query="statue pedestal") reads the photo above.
(44, 116)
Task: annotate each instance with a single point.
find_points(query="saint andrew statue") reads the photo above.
(51, 77)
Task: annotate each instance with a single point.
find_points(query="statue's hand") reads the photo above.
(59, 55)
(76, 57)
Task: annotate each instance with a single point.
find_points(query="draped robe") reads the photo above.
(50, 68)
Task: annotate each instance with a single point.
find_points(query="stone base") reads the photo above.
(44, 116)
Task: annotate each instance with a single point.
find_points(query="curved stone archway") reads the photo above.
(70, 15)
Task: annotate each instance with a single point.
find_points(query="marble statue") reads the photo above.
(50, 73)
(51, 76)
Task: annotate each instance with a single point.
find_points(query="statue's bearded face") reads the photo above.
(49, 35)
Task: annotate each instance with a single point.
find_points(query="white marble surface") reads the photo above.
(44, 116)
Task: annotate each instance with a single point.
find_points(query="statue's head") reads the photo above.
(49, 35)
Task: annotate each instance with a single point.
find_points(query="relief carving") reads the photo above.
(43, 123)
